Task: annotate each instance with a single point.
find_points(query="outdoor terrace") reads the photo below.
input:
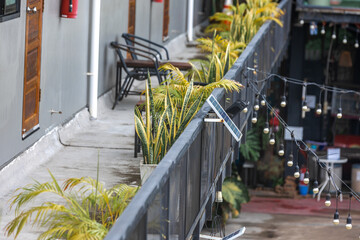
(176, 199)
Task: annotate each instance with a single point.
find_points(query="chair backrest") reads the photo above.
(117, 47)
(133, 40)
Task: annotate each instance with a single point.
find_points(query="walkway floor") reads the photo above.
(294, 219)
(73, 151)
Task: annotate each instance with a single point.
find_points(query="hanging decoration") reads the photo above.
(301, 145)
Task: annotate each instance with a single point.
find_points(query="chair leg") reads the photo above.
(117, 85)
(124, 88)
(127, 86)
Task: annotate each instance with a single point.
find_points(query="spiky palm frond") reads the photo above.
(87, 210)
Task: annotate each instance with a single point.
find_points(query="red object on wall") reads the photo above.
(69, 8)
(158, 1)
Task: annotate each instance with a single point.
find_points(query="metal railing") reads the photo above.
(177, 198)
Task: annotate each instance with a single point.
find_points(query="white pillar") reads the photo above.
(94, 57)
(190, 20)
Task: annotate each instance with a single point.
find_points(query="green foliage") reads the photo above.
(251, 148)
(177, 86)
(178, 106)
(237, 29)
(234, 193)
(88, 210)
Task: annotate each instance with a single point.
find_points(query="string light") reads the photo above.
(304, 106)
(316, 187)
(349, 220)
(345, 38)
(256, 104)
(266, 127)
(328, 199)
(306, 177)
(333, 36)
(263, 102)
(283, 98)
(272, 138)
(323, 29)
(254, 117)
(336, 220)
(339, 113)
(356, 45)
(281, 151)
(301, 21)
(297, 173)
(305, 148)
(318, 106)
(315, 184)
(290, 161)
(245, 110)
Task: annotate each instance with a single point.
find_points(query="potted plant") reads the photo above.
(86, 210)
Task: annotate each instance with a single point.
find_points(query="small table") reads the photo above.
(329, 163)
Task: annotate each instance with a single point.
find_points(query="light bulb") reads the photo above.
(348, 223)
(318, 109)
(306, 178)
(302, 21)
(263, 103)
(256, 104)
(218, 197)
(266, 128)
(272, 139)
(283, 101)
(336, 218)
(333, 36)
(316, 187)
(296, 173)
(245, 110)
(322, 30)
(281, 150)
(254, 117)
(290, 161)
(356, 45)
(345, 40)
(339, 114)
(304, 106)
(327, 200)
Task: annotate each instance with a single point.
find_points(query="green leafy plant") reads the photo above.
(234, 193)
(161, 128)
(237, 29)
(251, 148)
(88, 210)
(177, 86)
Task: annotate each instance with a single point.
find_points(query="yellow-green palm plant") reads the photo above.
(161, 128)
(151, 130)
(240, 27)
(87, 211)
(219, 46)
(177, 85)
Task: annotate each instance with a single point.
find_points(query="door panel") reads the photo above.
(131, 20)
(166, 20)
(31, 93)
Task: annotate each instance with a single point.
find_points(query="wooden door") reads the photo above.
(131, 20)
(31, 94)
(166, 20)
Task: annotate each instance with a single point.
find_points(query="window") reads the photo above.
(9, 9)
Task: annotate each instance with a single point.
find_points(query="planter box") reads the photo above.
(145, 171)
